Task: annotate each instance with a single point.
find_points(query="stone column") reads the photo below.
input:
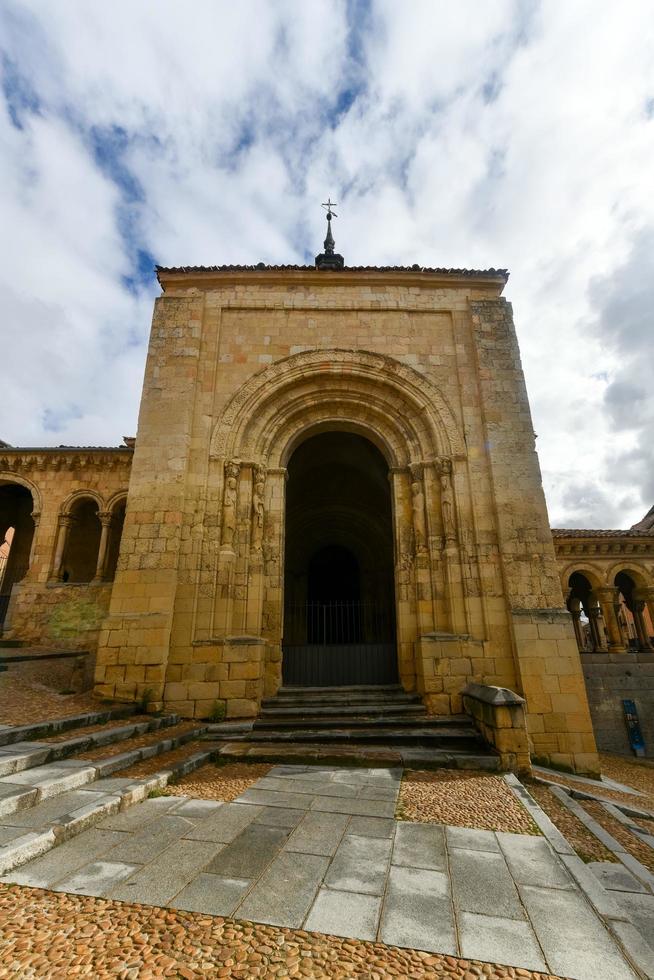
(575, 613)
(453, 578)
(596, 623)
(64, 523)
(104, 517)
(641, 598)
(36, 518)
(405, 589)
(609, 600)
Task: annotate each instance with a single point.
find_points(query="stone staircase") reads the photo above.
(48, 793)
(356, 719)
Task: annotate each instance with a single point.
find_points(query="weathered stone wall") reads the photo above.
(244, 365)
(610, 678)
(43, 610)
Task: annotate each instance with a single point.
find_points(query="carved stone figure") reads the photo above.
(229, 502)
(258, 511)
(447, 500)
(418, 505)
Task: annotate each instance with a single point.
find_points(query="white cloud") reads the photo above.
(505, 133)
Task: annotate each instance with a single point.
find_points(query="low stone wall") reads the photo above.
(64, 616)
(499, 716)
(231, 671)
(610, 678)
(445, 663)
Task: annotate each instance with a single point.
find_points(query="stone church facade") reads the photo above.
(334, 482)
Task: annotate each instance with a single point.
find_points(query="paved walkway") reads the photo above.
(319, 849)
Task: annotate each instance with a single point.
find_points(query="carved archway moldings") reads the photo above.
(323, 388)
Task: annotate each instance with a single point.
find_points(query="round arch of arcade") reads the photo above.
(612, 605)
(88, 537)
(370, 396)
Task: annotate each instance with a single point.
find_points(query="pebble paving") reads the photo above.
(462, 799)
(318, 849)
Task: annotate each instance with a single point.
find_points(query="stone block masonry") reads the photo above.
(243, 366)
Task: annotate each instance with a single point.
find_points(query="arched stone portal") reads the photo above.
(339, 596)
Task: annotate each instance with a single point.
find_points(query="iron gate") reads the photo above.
(339, 642)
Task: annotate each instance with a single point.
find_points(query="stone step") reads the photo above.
(27, 788)
(374, 755)
(42, 729)
(340, 696)
(463, 738)
(318, 721)
(27, 834)
(335, 709)
(25, 755)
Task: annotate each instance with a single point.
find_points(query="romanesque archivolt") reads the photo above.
(402, 406)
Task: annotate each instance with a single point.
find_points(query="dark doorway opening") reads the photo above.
(16, 534)
(339, 609)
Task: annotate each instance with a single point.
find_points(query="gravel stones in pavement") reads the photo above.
(637, 848)
(587, 846)
(213, 782)
(638, 775)
(462, 799)
(25, 699)
(138, 742)
(159, 763)
(55, 935)
(90, 729)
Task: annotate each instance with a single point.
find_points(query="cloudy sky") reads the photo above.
(506, 133)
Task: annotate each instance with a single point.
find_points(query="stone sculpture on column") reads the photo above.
(232, 469)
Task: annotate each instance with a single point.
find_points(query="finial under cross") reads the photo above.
(328, 259)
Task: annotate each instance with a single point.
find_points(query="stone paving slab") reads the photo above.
(147, 843)
(319, 833)
(531, 861)
(418, 911)
(212, 894)
(286, 891)
(345, 914)
(615, 877)
(96, 879)
(61, 861)
(360, 865)
(339, 864)
(225, 824)
(159, 881)
(482, 883)
(250, 853)
(500, 940)
(574, 941)
(420, 845)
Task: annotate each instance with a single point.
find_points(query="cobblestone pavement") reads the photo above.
(55, 935)
(638, 775)
(639, 849)
(462, 799)
(586, 845)
(597, 788)
(148, 766)
(25, 699)
(219, 782)
(91, 729)
(138, 742)
(317, 849)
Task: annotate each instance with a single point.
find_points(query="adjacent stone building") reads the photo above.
(334, 482)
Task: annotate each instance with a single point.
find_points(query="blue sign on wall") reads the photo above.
(636, 739)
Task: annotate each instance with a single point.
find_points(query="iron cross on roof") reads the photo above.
(329, 204)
